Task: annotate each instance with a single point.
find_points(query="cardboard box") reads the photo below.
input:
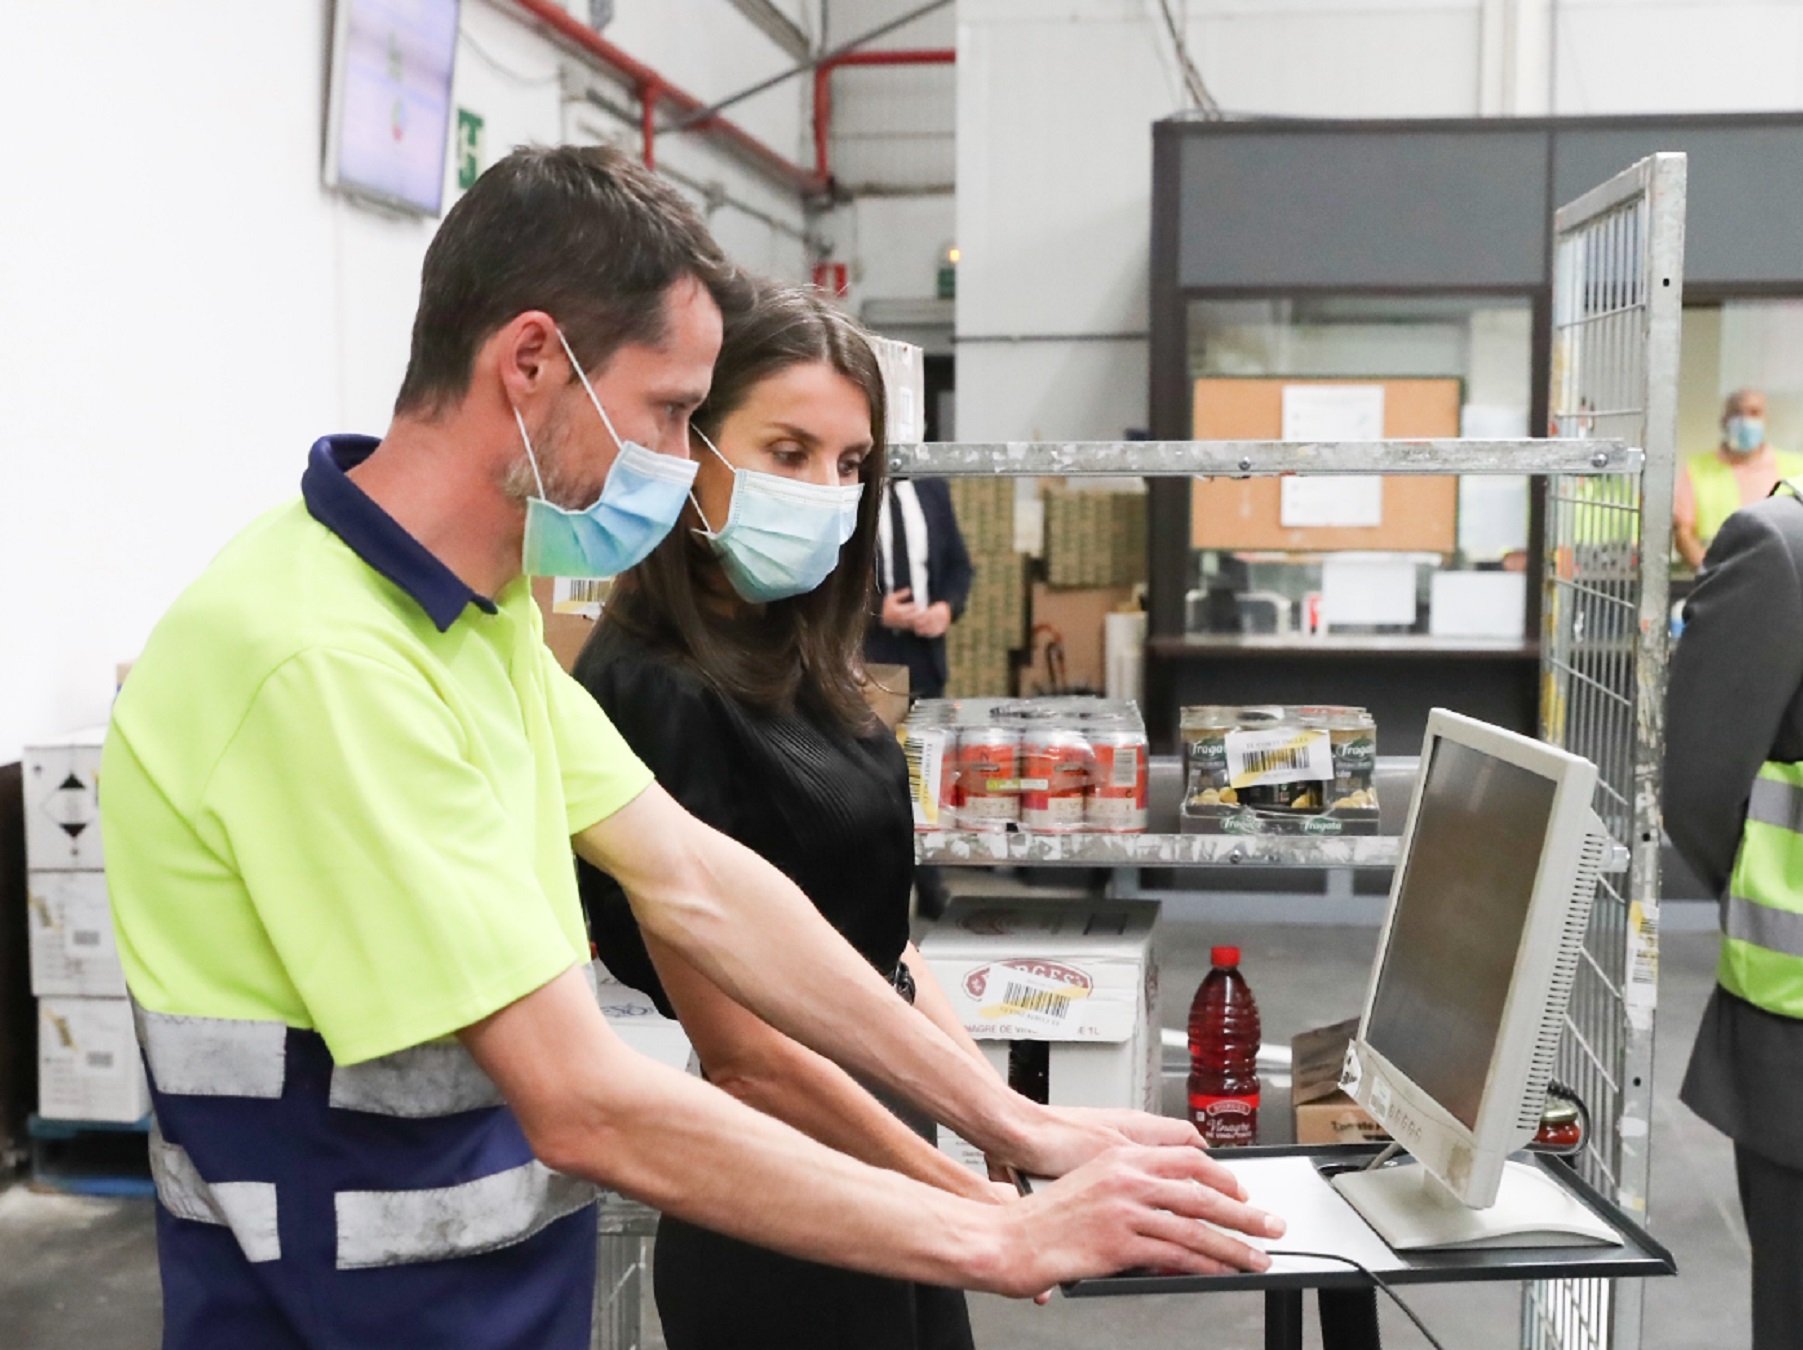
(88, 1065)
(636, 1018)
(73, 951)
(1083, 976)
(570, 609)
(1324, 1114)
(62, 803)
(903, 366)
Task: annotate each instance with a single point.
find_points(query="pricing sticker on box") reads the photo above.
(1039, 992)
(1255, 758)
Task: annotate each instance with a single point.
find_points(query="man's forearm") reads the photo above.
(746, 927)
(751, 1060)
(698, 1153)
(777, 956)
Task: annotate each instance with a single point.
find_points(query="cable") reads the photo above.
(501, 68)
(688, 120)
(1192, 78)
(1375, 1279)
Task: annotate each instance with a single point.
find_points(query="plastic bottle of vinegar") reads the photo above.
(1223, 1055)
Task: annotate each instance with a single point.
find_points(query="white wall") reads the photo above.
(1678, 56)
(893, 127)
(183, 308)
(1056, 100)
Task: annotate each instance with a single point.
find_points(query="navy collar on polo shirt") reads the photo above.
(377, 537)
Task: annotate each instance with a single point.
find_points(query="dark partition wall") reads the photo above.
(1297, 208)
(1351, 209)
(1745, 193)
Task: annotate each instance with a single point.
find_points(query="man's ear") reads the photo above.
(528, 356)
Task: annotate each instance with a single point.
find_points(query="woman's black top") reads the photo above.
(831, 811)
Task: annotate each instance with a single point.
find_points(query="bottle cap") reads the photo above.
(1224, 956)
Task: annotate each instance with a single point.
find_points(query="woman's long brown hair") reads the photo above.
(806, 652)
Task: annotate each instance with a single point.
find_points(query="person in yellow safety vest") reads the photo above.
(1715, 484)
(1734, 809)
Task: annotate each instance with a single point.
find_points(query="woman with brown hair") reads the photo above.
(731, 661)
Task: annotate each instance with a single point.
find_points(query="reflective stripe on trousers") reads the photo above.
(248, 1208)
(221, 1057)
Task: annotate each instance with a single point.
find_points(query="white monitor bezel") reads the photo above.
(1468, 1161)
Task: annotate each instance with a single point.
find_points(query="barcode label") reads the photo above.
(1257, 757)
(581, 596)
(1126, 766)
(1271, 761)
(96, 1062)
(85, 937)
(1043, 1004)
(925, 753)
(1027, 995)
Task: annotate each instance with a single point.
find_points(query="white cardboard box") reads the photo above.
(88, 1065)
(903, 366)
(62, 803)
(1083, 976)
(636, 1018)
(72, 946)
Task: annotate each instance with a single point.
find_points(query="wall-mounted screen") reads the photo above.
(388, 118)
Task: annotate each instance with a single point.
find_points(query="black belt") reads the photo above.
(902, 980)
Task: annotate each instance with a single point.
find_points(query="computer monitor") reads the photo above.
(1462, 1022)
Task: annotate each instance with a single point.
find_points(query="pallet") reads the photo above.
(90, 1157)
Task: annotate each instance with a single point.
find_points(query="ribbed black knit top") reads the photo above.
(827, 809)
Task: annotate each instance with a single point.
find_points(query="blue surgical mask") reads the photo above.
(1744, 435)
(639, 503)
(781, 537)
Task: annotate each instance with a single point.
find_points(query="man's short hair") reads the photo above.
(584, 233)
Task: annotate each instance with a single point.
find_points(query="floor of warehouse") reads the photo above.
(83, 1272)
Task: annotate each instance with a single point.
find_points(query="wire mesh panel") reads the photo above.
(1617, 292)
(624, 1316)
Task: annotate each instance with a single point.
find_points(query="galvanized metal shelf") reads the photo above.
(1189, 459)
(992, 848)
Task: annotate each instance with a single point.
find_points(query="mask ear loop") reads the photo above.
(531, 458)
(693, 499)
(588, 388)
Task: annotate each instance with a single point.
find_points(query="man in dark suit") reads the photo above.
(924, 574)
(1734, 808)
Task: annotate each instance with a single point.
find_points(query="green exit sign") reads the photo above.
(469, 149)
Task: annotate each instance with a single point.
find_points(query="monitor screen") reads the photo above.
(1458, 918)
(391, 104)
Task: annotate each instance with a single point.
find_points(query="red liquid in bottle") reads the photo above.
(1223, 1055)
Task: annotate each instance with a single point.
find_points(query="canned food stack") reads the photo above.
(1042, 766)
(1279, 770)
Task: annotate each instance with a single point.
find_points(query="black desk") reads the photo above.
(1348, 1299)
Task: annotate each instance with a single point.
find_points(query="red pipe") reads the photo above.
(823, 90)
(648, 122)
(653, 90)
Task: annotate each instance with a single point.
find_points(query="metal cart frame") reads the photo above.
(1609, 473)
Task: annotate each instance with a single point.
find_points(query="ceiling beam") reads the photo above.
(777, 26)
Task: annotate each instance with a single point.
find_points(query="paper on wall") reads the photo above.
(1353, 501)
(1333, 412)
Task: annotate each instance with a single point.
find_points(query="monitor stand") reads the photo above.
(1412, 1211)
